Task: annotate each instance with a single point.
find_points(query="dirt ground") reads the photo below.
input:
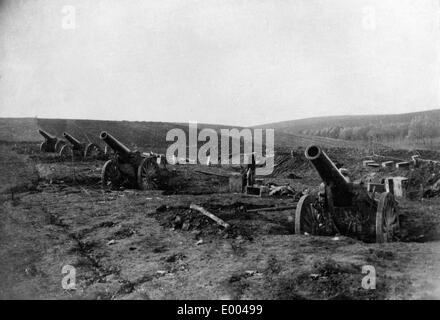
(131, 244)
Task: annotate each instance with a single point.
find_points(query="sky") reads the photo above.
(229, 62)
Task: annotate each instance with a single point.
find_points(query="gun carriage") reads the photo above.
(80, 149)
(345, 208)
(127, 167)
(50, 143)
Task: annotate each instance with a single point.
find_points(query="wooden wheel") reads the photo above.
(110, 176)
(92, 151)
(387, 218)
(58, 145)
(147, 169)
(305, 221)
(43, 146)
(66, 152)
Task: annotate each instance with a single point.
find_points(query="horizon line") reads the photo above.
(227, 125)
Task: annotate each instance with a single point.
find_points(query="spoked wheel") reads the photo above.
(305, 220)
(147, 169)
(387, 218)
(43, 146)
(92, 151)
(66, 152)
(110, 176)
(58, 145)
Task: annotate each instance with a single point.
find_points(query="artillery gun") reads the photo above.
(345, 208)
(80, 149)
(127, 167)
(50, 143)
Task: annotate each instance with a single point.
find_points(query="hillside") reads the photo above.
(296, 126)
(147, 136)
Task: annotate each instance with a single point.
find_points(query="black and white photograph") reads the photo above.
(219, 154)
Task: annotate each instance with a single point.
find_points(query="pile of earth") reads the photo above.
(85, 174)
(423, 181)
(294, 165)
(242, 225)
(184, 179)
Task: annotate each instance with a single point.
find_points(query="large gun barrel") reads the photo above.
(46, 135)
(114, 144)
(330, 175)
(71, 139)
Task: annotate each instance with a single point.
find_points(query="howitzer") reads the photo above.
(345, 208)
(127, 167)
(50, 143)
(80, 149)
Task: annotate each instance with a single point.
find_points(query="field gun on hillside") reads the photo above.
(80, 149)
(50, 143)
(127, 167)
(345, 208)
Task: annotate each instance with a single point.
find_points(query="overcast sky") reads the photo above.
(229, 62)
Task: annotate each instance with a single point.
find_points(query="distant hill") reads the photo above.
(146, 136)
(297, 126)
